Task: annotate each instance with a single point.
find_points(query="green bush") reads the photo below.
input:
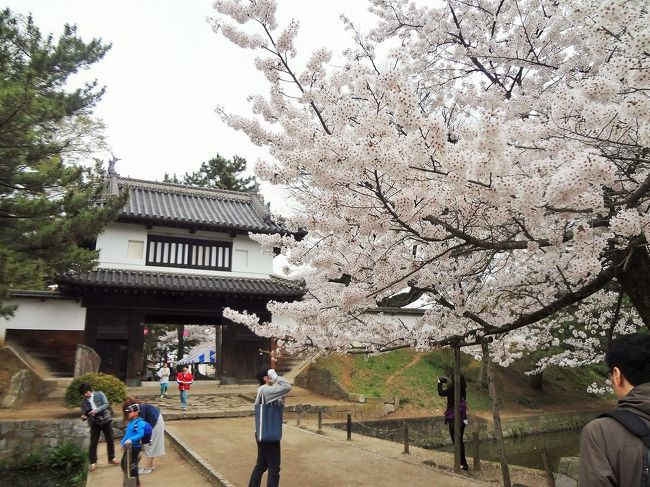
(62, 466)
(110, 385)
(20, 460)
(68, 457)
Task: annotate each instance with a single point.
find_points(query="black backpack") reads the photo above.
(635, 425)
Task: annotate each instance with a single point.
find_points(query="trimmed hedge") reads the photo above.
(110, 385)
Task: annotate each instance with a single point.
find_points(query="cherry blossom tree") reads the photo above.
(490, 158)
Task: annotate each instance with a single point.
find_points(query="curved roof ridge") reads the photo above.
(164, 187)
(180, 282)
(192, 206)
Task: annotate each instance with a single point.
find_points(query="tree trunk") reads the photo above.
(497, 417)
(482, 374)
(536, 381)
(457, 418)
(179, 333)
(634, 279)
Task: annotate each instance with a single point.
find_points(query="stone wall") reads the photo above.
(25, 386)
(432, 432)
(323, 382)
(36, 435)
(545, 423)
(428, 432)
(86, 360)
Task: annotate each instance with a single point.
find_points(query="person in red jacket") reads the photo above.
(184, 380)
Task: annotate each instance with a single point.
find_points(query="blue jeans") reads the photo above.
(183, 399)
(163, 388)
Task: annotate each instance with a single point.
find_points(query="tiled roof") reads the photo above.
(181, 205)
(30, 293)
(273, 287)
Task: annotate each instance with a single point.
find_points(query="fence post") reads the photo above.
(349, 426)
(406, 438)
(127, 480)
(320, 422)
(457, 417)
(475, 449)
(547, 467)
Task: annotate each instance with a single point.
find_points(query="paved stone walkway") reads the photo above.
(199, 404)
(171, 470)
(227, 448)
(211, 445)
(209, 400)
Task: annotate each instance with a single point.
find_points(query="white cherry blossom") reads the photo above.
(493, 160)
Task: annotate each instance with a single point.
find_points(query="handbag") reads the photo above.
(268, 421)
(450, 414)
(102, 418)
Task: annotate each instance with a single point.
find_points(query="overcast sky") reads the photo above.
(167, 71)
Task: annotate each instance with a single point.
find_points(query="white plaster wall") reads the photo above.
(400, 319)
(282, 320)
(44, 314)
(249, 260)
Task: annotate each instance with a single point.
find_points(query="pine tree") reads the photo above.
(50, 209)
(218, 173)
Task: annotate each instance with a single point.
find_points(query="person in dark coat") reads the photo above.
(447, 390)
(95, 409)
(609, 453)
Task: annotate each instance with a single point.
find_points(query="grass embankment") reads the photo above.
(411, 376)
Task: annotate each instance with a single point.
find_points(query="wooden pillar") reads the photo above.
(550, 479)
(90, 329)
(218, 345)
(496, 416)
(457, 417)
(136, 345)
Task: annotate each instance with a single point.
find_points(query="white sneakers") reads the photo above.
(145, 470)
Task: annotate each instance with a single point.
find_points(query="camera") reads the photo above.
(442, 380)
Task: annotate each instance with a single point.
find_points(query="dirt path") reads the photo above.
(413, 361)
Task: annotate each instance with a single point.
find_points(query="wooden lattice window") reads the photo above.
(189, 253)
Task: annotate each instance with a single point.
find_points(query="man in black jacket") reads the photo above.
(609, 453)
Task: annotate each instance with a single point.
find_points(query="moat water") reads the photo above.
(431, 433)
(526, 451)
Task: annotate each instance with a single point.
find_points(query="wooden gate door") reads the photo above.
(114, 354)
(241, 353)
(248, 360)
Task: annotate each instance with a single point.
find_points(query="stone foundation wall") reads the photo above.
(428, 432)
(432, 432)
(323, 382)
(35, 435)
(545, 423)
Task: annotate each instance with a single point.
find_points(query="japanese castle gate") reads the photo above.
(176, 255)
